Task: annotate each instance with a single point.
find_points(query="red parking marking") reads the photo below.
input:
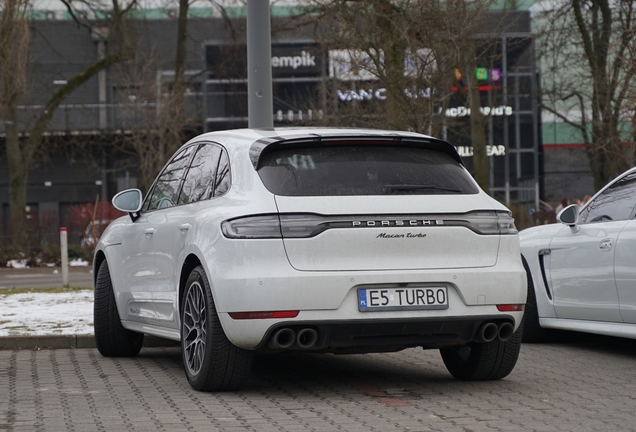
(379, 394)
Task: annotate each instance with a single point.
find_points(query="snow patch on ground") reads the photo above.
(38, 314)
(78, 262)
(18, 264)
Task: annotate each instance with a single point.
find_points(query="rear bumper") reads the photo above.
(363, 336)
(328, 301)
(348, 330)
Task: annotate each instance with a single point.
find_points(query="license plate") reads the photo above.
(412, 298)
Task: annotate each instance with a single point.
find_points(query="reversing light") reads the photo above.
(263, 315)
(511, 307)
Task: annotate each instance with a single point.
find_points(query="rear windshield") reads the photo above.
(362, 170)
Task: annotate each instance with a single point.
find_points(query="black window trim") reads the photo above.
(189, 164)
(355, 141)
(216, 173)
(605, 189)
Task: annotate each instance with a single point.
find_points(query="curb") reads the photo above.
(69, 341)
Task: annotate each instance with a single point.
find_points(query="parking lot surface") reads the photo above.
(581, 383)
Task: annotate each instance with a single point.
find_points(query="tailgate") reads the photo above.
(386, 233)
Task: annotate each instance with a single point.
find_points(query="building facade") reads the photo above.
(103, 110)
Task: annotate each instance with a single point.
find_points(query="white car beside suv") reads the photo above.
(323, 240)
(581, 273)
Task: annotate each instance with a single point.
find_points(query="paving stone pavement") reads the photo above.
(581, 385)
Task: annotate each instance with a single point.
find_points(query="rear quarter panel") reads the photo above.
(533, 241)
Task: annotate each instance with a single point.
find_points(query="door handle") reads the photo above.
(606, 244)
(184, 227)
(149, 232)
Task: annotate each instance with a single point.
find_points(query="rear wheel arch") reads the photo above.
(524, 261)
(100, 257)
(532, 330)
(111, 338)
(211, 361)
(191, 262)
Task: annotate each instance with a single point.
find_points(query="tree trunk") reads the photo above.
(594, 24)
(176, 104)
(20, 155)
(606, 155)
(393, 51)
(14, 40)
(481, 163)
(179, 63)
(18, 174)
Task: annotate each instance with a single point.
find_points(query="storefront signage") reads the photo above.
(298, 60)
(303, 60)
(357, 65)
(380, 94)
(289, 59)
(498, 111)
(491, 150)
(351, 65)
(482, 74)
(300, 115)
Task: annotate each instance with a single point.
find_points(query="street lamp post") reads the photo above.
(259, 70)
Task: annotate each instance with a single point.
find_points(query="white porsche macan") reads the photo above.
(323, 240)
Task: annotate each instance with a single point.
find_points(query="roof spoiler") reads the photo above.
(265, 145)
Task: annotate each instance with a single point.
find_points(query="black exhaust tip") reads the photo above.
(306, 338)
(283, 338)
(487, 332)
(505, 331)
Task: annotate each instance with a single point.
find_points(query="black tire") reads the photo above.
(532, 330)
(112, 339)
(210, 360)
(483, 361)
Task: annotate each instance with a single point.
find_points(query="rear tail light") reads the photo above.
(252, 227)
(300, 225)
(487, 222)
(307, 225)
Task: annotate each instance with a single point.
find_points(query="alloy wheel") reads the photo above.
(195, 328)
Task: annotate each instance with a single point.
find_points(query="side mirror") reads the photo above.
(569, 216)
(129, 201)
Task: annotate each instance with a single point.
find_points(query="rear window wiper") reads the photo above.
(388, 189)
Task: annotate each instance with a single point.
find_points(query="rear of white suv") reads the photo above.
(352, 241)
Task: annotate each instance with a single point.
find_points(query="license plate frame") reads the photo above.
(397, 299)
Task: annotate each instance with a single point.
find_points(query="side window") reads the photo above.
(199, 181)
(223, 175)
(615, 203)
(164, 194)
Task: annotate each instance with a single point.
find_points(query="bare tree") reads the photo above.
(414, 49)
(21, 146)
(174, 109)
(152, 130)
(156, 107)
(454, 28)
(14, 41)
(587, 49)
